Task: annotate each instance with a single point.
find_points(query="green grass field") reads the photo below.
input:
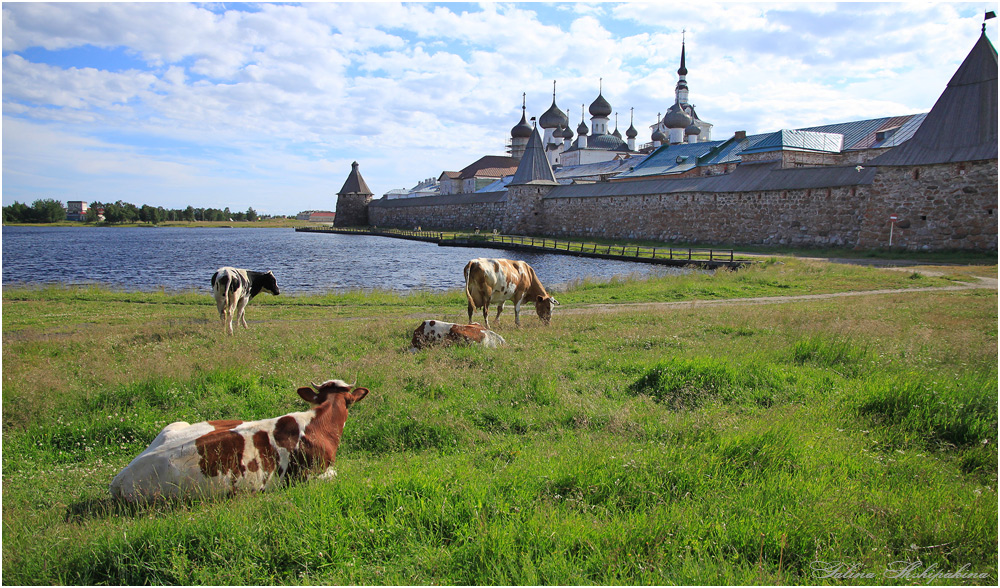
(627, 443)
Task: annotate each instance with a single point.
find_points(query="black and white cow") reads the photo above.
(235, 288)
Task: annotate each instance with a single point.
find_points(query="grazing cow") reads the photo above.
(489, 281)
(221, 457)
(235, 288)
(431, 332)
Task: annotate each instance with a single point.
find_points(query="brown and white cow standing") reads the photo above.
(221, 457)
(432, 332)
(489, 281)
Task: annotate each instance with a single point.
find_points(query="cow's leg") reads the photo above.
(220, 303)
(241, 312)
(231, 305)
(499, 310)
(517, 313)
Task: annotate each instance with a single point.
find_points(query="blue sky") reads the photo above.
(266, 105)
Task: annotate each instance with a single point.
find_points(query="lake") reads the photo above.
(144, 259)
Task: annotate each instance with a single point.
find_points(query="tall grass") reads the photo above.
(687, 445)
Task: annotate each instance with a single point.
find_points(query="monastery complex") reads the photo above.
(927, 180)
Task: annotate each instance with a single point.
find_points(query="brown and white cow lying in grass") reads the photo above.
(489, 281)
(221, 457)
(234, 288)
(433, 332)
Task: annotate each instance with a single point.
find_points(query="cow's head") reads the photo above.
(324, 391)
(270, 284)
(543, 306)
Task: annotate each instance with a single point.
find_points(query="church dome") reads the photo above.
(521, 130)
(692, 129)
(600, 107)
(631, 133)
(553, 117)
(676, 118)
(658, 136)
(582, 129)
(607, 142)
(616, 133)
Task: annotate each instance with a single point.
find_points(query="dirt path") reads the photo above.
(980, 282)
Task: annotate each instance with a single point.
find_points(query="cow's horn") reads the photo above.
(315, 385)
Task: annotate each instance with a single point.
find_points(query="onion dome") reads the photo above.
(676, 118)
(692, 129)
(658, 132)
(600, 107)
(521, 130)
(553, 117)
(631, 133)
(563, 133)
(582, 129)
(616, 133)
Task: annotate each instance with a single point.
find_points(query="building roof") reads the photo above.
(962, 125)
(874, 133)
(534, 167)
(355, 184)
(440, 200)
(799, 140)
(673, 159)
(748, 177)
(594, 171)
(489, 166)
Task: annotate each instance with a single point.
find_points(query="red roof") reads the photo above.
(490, 166)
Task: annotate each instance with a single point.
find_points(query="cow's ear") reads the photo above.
(539, 298)
(357, 395)
(308, 394)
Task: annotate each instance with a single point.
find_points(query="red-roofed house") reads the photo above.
(483, 172)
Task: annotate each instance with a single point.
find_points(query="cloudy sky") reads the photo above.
(267, 105)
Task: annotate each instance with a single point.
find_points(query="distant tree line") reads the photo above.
(41, 211)
(50, 211)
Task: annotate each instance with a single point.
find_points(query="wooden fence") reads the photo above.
(659, 255)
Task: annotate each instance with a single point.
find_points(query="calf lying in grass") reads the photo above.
(433, 332)
(221, 457)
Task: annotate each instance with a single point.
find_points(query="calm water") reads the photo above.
(184, 258)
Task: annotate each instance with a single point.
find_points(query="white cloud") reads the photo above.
(212, 101)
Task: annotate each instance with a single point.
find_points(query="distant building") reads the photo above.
(76, 210)
(923, 181)
(428, 187)
(483, 172)
(316, 216)
(353, 200)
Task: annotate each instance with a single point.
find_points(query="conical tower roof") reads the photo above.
(355, 184)
(962, 125)
(534, 167)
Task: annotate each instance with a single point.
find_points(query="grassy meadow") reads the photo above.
(815, 441)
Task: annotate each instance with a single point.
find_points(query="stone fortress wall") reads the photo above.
(938, 207)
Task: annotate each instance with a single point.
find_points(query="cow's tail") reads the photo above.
(221, 287)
